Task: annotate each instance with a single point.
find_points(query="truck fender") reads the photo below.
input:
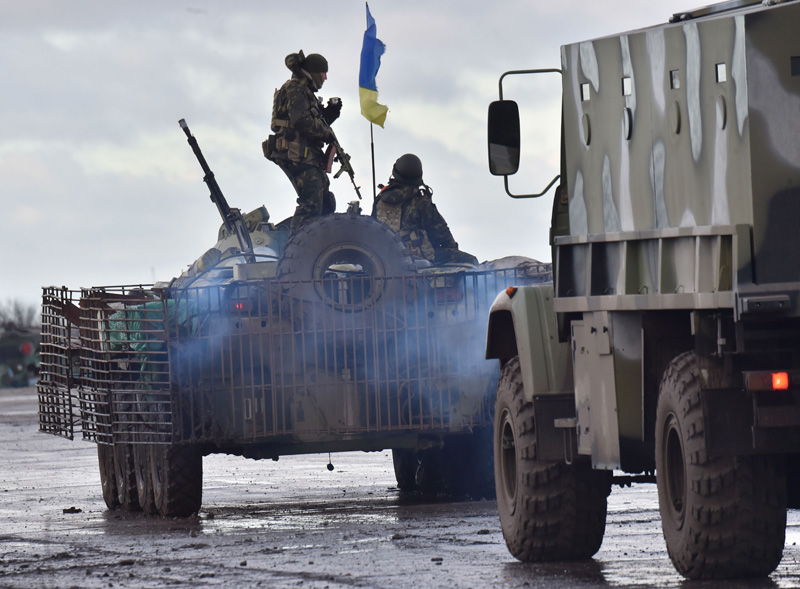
(522, 323)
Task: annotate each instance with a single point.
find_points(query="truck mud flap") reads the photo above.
(556, 437)
(737, 424)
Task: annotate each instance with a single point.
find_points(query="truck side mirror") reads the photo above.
(503, 137)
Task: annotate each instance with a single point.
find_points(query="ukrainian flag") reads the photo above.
(371, 52)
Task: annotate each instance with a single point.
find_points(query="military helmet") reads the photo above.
(408, 169)
(313, 64)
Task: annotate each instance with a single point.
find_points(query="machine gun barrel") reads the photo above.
(231, 217)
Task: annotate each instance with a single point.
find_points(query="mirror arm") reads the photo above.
(517, 72)
(548, 187)
(500, 88)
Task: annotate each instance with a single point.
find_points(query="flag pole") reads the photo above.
(371, 52)
(371, 137)
(372, 151)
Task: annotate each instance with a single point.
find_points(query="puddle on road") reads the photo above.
(269, 517)
(301, 518)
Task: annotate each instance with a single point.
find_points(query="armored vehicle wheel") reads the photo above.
(463, 467)
(144, 478)
(177, 476)
(548, 510)
(126, 477)
(405, 468)
(721, 517)
(108, 478)
(473, 467)
(324, 248)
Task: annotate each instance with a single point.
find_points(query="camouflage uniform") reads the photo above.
(405, 205)
(301, 128)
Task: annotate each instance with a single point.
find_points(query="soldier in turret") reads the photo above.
(301, 127)
(405, 204)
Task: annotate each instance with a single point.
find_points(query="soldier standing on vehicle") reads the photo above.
(405, 204)
(301, 127)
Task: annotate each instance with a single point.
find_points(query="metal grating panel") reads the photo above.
(55, 378)
(264, 361)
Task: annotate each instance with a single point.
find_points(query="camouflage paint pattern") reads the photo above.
(683, 163)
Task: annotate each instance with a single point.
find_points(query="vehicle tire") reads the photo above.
(345, 239)
(405, 469)
(126, 477)
(472, 469)
(721, 517)
(144, 478)
(177, 476)
(466, 465)
(108, 477)
(548, 510)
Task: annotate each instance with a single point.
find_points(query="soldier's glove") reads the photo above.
(333, 110)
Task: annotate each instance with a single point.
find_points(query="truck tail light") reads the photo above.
(780, 381)
(771, 381)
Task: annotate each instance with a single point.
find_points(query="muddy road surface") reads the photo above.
(293, 523)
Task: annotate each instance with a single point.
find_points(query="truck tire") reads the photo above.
(144, 478)
(345, 239)
(108, 477)
(548, 510)
(721, 517)
(177, 476)
(126, 477)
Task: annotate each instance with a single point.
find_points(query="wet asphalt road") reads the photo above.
(293, 524)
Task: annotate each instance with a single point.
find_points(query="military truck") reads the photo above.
(667, 349)
(330, 339)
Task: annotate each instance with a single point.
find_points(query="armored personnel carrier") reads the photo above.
(332, 339)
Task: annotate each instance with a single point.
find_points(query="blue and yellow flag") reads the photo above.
(371, 52)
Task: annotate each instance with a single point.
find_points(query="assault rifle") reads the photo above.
(335, 149)
(231, 217)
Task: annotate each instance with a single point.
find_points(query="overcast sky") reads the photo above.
(100, 187)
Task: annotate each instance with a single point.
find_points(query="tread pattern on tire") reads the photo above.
(126, 477)
(108, 477)
(177, 473)
(311, 239)
(379, 246)
(734, 518)
(558, 510)
(144, 479)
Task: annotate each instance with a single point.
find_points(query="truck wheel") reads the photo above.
(405, 469)
(721, 517)
(144, 479)
(126, 477)
(177, 476)
(108, 478)
(548, 510)
(317, 248)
